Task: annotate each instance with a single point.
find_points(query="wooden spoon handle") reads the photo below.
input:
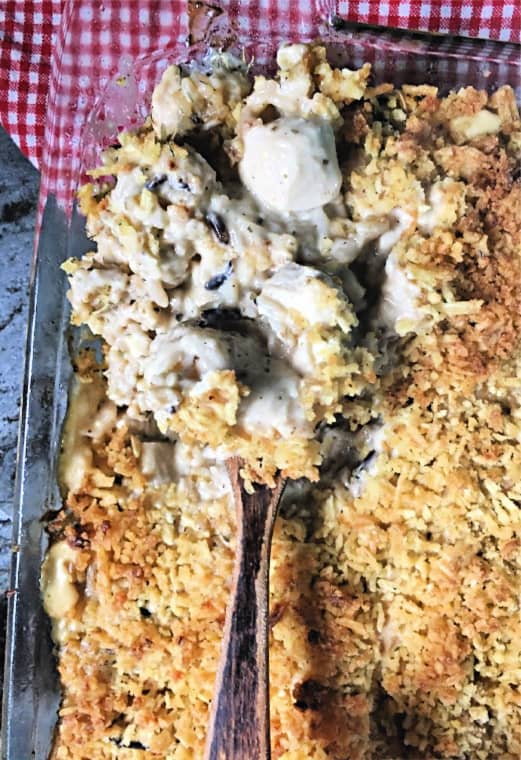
(239, 723)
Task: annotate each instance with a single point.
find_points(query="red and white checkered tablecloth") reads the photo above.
(43, 41)
(496, 20)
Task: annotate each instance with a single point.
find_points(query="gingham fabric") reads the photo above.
(496, 20)
(28, 30)
(58, 56)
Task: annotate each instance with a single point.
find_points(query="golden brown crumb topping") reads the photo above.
(395, 628)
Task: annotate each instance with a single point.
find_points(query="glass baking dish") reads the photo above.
(97, 88)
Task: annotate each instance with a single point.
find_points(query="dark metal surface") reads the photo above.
(31, 693)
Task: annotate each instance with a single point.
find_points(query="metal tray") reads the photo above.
(31, 688)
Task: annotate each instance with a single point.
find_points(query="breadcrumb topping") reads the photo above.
(395, 628)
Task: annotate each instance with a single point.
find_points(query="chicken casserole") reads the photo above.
(322, 277)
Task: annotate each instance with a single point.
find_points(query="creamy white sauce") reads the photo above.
(402, 221)
(158, 461)
(398, 307)
(84, 422)
(60, 594)
(443, 206)
(274, 402)
(104, 421)
(346, 250)
(291, 164)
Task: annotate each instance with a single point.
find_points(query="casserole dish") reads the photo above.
(114, 97)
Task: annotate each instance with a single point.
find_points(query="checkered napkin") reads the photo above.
(56, 56)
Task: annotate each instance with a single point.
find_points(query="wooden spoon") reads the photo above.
(240, 720)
